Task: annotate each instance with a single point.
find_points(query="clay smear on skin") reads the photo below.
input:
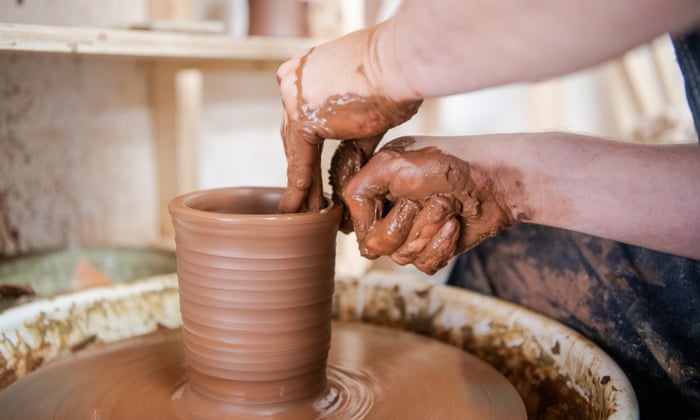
(362, 118)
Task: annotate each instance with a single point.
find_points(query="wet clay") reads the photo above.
(362, 119)
(373, 373)
(438, 206)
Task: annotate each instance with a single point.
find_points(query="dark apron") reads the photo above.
(641, 306)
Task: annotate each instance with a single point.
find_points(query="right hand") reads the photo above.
(333, 91)
(440, 205)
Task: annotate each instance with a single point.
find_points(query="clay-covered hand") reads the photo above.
(419, 205)
(333, 91)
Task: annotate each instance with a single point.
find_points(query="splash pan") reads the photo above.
(558, 373)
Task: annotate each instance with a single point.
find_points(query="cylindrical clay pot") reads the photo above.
(255, 295)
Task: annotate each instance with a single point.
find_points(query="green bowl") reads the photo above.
(51, 273)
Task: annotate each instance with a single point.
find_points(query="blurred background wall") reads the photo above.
(79, 159)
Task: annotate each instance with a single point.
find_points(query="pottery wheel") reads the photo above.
(373, 373)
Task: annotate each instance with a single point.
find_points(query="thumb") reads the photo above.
(364, 193)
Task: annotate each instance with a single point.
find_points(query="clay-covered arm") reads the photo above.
(449, 194)
(437, 48)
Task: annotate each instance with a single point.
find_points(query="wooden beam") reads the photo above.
(188, 94)
(171, 9)
(162, 100)
(146, 44)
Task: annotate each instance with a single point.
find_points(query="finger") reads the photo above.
(387, 234)
(440, 250)
(436, 212)
(364, 193)
(314, 199)
(372, 208)
(303, 151)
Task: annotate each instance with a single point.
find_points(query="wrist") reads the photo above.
(502, 161)
(389, 72)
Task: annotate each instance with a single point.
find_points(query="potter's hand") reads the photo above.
(440, 205)
(333, 92)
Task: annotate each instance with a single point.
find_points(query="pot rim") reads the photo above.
(181, 207)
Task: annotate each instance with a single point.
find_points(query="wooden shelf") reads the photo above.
(146, 44)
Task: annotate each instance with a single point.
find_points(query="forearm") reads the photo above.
(433, 49)
(642, 195)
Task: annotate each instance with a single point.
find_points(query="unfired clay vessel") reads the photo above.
(256, 289)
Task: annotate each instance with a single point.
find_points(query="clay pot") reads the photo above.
(255, 295)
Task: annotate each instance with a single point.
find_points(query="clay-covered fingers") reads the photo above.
(434, 236)
(364, 193)
(435, 213)
(387, 234)
(423, 235)
(440, 249)
(302, 144)
(304, 182)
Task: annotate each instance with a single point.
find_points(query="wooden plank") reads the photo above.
(547, 105)
(175, 96)
(668, 72)
(188, 94)
(325, 19)
(175, 101)
(643, 84)
(146, 44)
(170, 9)
(162, 100)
